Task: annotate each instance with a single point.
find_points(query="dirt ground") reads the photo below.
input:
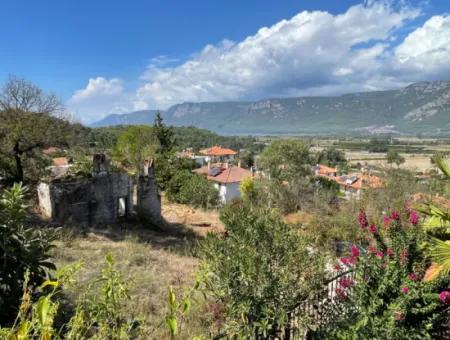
(199, 221)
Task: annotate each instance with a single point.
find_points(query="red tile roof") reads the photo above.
(325, 170)
(217, 151)
(232, 174)
(356, 180)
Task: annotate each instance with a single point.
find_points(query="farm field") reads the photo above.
(414, 162)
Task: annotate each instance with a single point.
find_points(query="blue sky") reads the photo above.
(117, 56)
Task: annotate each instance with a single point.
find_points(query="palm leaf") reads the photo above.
(440, 253)
(442, 165)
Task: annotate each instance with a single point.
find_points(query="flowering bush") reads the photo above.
(386, 296)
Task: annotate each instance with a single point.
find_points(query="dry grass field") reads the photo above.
(414, 162)
(151, 260)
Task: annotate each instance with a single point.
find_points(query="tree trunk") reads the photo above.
(18, 160)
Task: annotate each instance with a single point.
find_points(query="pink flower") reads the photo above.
(352, 260)
(379, 254)
(395, 215)
(355, 251)
(412, 276)
(389, 252)
(337, 267)
(373, 229)
(346, 282)
(372, 248)
(362, 219)
(445, 297)
(405, 290)
(414, 218)
(341, 293)
(344, 261)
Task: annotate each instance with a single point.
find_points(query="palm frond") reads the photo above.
(440, 253)
(442, 165)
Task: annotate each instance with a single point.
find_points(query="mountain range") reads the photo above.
(418, 108)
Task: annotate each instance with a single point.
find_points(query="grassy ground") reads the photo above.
(151, 260)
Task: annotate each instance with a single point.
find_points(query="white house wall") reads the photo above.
(228, 192)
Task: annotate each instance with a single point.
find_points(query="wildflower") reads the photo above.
(362, 219)
(373, 229)
(445, 297)
(352, 260)
(395, 215)
(345, 261)
(337, 267)
(414, 218)
(412, 276)
(346, 282)
(341, 293)
(405, 290)
(355, 251)
(389, 252)
(372, 248)
(379, 254)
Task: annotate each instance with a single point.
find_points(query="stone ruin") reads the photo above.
(106, 197)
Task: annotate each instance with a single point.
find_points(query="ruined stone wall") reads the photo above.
(148, 198)
(93, 200)
(103, 198)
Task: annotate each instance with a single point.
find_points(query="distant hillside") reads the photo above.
(418, 108)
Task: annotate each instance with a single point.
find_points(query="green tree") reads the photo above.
(135, 145)
(393, 156)
(286, 159)
(261, 271)
(28, 124)
(165, 134)
(331, 157)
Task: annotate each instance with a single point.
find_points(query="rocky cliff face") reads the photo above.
(418, 108)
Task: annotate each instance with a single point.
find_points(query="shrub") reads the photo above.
(188, 188)
(388, 298)
(261, 271)
(23, 249)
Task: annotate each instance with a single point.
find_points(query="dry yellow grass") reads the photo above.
(152, 260)
(415, 162)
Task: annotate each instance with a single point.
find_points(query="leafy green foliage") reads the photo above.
(22, 249)
(188, 188)
(387, 298)
(286, 159)
(260, 270)
(393, 156)
(135, 145)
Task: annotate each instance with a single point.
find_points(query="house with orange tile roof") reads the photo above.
(351, 184)
(226, 178)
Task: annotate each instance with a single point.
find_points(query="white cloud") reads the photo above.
(427, 49)
(293, 57)
(99, 98)
(313, 53)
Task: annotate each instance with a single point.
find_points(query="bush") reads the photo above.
(188, 188)
(261, 271)
(388, 298)
(23, 249)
